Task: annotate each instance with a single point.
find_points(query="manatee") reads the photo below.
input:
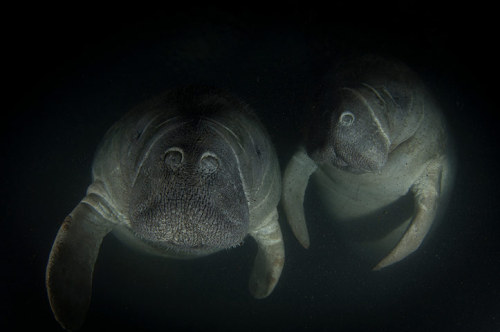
(184, 175)
(380, 152)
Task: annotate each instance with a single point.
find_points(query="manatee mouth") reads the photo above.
(338, 161)
(349, 160)
(358, 163)
(189, 226)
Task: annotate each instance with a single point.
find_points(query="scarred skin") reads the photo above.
(377, 138)
(184, 175)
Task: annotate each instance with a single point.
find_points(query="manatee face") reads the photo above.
(357, 138)
(188, 196)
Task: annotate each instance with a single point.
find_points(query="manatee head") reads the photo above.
(356, 137)
(188, 194)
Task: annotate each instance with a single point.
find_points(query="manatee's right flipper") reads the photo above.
(71, 264)
(270, 256)
(295, 180)
(427, 191)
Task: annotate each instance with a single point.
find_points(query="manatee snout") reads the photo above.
(189, 224)
(194, 201)
(367, 158)
(361, 159)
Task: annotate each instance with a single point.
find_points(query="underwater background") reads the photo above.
(71, 71)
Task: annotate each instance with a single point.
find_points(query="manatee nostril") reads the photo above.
(174, 158)
(347, 118)
(209, 163)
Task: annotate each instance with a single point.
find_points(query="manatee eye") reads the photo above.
(174, 158)
(346, 118)
(209, 163)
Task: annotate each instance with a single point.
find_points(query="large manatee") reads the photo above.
(381, 155)
(184, 175)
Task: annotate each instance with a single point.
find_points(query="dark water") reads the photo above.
(71, 75)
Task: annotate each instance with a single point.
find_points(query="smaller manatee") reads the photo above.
(377, 137)
(184, 175)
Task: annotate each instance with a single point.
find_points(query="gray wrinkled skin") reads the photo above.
(187, 174)
(378, 138)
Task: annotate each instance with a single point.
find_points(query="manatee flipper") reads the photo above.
(426, 192)
(295, 180)
(71, 264)
(270, 256)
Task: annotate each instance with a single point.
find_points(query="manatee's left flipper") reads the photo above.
(71, 264)
(270, 256)
(426, 191)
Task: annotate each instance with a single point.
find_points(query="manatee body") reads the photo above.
(380, 154)
(185, 175)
